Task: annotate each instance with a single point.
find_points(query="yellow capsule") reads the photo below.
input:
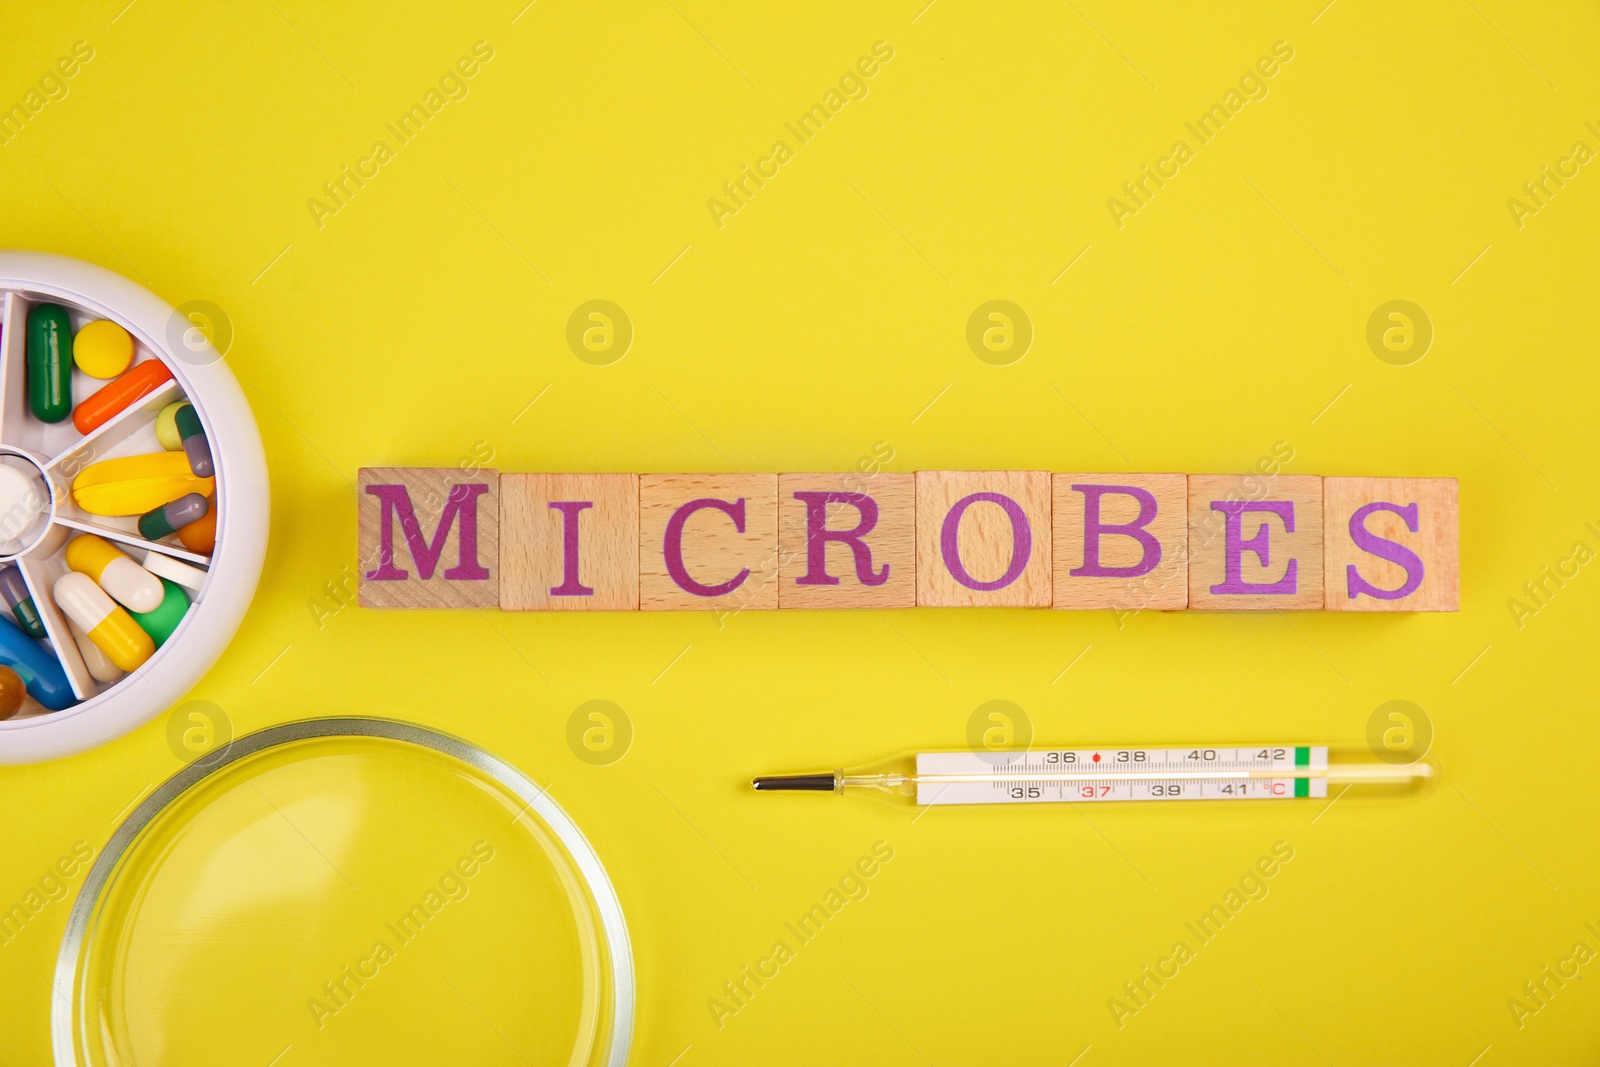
(133, 485)
(111, 629)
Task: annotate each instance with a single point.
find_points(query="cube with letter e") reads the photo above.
(1255, 542)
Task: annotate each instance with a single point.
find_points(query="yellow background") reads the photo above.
(419, 322)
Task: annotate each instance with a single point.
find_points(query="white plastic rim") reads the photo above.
(242, 497)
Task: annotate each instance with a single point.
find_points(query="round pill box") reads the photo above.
(39, 515)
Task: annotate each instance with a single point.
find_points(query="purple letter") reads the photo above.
(1093, 528)
(672, 546)
(396, 500)
(570, 586)
(1384, 549)
(1021, 541)
(1234, 546)
(818, 536)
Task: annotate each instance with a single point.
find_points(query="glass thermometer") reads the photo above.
(1092, 775)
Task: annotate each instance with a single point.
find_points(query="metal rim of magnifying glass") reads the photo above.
(619, 950)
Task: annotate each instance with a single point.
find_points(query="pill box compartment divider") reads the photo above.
(64, 453)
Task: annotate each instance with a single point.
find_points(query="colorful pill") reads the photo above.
(169, 518)
(133, 485)
(115, 396)
(128, 583)
(160, 623)
(49, 362)
(195, 445)
(101, 669)
(108, 626)
(41, 673)
(201, 536)
(185, 574)
(12, 692)
(167, 426)
(102, 349)
(20, 600)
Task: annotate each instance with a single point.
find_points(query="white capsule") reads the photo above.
(174, 570)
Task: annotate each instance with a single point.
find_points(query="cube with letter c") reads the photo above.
(983, 539)
(708, 541)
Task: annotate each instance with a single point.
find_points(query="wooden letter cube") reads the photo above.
(983, 539)
(708, 541)
(1255, 542)
(428, 537)
(1121, 541)
(847, 540)
(569, 542)
(1391, 544)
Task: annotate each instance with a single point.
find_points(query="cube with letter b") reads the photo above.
(1392, 544)
(1121, 541)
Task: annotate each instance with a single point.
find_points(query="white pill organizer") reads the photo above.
(38, 515)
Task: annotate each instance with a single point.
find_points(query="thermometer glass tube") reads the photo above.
(1093, 775)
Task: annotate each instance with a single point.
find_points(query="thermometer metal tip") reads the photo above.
(810, 783)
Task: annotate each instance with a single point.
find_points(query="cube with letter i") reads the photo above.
(708, 541)
(1255, 542)
(569, 542)
(983, 539)
(1392, 544)
(429, 537)
(1121, 541)
(847, 540)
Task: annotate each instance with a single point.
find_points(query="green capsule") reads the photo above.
(49, 362)
(160, 623)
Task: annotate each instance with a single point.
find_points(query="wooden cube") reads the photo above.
(1255, 542)
(1391, 544)
(1120, 541)
(708, 541)
(428, 537)
(847, 540)
(569, 542)
(983, 539)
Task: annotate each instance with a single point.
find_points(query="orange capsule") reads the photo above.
(201, 535)
(114, 397)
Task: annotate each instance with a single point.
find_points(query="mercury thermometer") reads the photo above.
(1095, 775)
